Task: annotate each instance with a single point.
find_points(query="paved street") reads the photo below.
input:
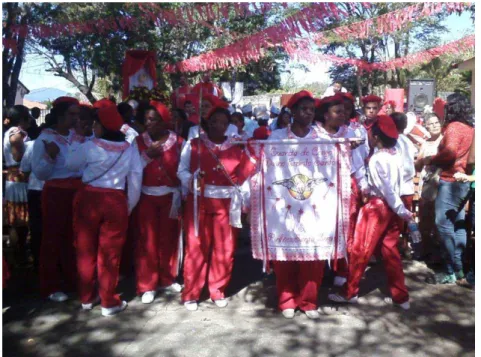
(440, 322)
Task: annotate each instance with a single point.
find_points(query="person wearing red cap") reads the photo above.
(298, 282)
(331, 123)
(371, 107)
(212, 168)
(378, 220)
(49, 156)
(190, 104)
(210, 101)
(389, 107)
(101, 208)
(207, 87)
(179, 92)
(158, 211)
(130, 133)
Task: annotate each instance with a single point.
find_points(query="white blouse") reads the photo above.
(7, 147)
(194, 131)
(385, 180)
(407, 151)
(43, 166)
(109, 164)
(26, 166)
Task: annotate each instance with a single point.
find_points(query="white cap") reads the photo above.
(247, 108)
(275, 110)
(133, 103)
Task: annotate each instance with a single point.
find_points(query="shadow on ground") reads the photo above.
(440, 323)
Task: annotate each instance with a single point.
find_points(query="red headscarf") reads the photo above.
(162, 110)
(110, 118)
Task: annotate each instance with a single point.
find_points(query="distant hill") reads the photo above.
(43, 94)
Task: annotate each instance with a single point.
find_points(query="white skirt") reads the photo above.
(16, 191)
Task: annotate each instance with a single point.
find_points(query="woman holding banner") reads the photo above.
(290, 236)
(211, 172)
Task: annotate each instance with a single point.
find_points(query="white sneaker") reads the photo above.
(312, 314)
(289, 313)
(92, 304)
(58, 297)
(175, 287)
(339, 281)
(110, 311)
(221, 302)
(148, 297)
(405, 305)
(191, 305)
(339, 298)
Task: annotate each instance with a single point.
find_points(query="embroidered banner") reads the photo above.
(300, 202)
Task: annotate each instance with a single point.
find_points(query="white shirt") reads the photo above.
(98, 156)
(385, 180)
(26, 166)
(43, 166)
(194, 131)
(407, 151)
(7, 147)
(361, 132)
(330, 91)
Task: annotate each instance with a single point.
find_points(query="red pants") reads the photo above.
(157, 246)
(298, 283)
(377, 224)
(355, 206)
(100, 220)
(57, 268)
(210, 256)
(408, 203)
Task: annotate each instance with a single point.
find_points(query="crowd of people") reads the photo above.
(106, 188)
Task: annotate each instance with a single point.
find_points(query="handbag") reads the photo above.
(430, 185)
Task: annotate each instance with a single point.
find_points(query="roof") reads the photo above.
(31, 104)
(467, 65)
(23, 85)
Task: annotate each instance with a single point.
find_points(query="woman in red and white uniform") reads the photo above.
(50, 152)
(101, 208)
(212, 169)
(158, 211)
(332, 122)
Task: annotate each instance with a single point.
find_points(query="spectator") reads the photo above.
(452, 158)
(181, 123)
(34, 131)
(334, 89)
(126, 112)
(407, 151)
(428, 184)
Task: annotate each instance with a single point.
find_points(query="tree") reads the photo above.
(13, 53)
(88, 57)
(378, 48)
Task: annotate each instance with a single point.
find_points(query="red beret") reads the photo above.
(348, 95)
(317, 102)
(297, 97)
(387, 126)
(220, 104)
(371, 98)
(261, 133)
(163, 111)
(65, 100)
(103, 103)
(110, 118)
(212, 99)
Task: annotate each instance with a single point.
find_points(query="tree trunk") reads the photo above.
(358, 82)
(12, 90)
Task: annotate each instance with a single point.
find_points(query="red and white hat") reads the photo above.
(371, 99)
(110, 118)
(103, 103)
(387, 126)
(163, 111)
(297, 97)
(65, 100)
(219, 104)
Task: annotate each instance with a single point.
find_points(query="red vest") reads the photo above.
(230, 155)
(162, 170)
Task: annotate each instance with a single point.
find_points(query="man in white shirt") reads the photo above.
(335, 88)
(249, 124)
(407, 151)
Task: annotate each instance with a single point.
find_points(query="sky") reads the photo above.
(34, 76)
